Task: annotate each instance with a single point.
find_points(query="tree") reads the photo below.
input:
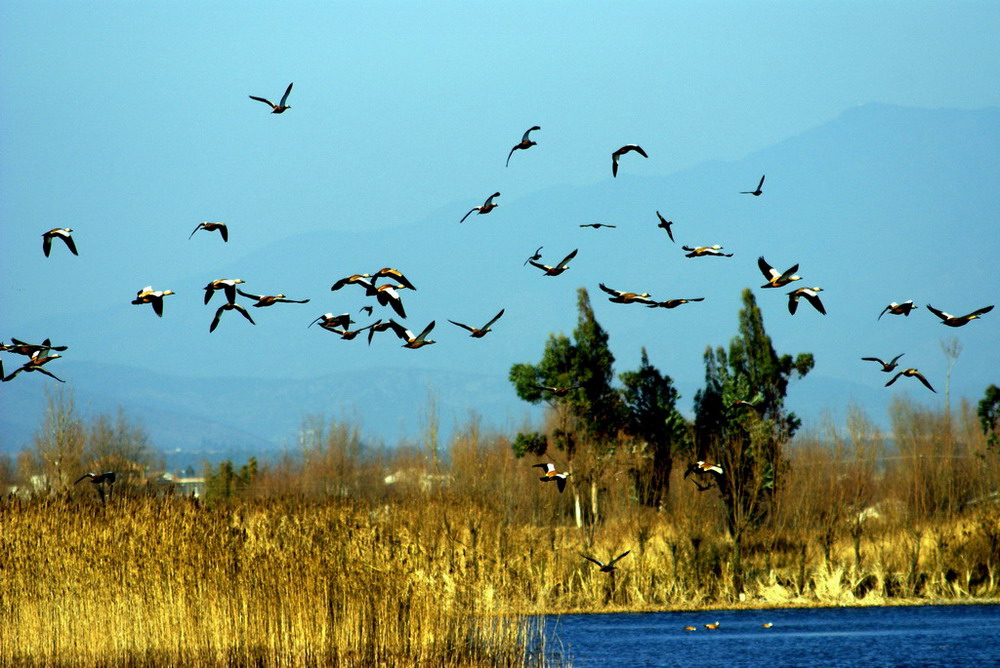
(989, 416)
(650, 399)
(58, 451)
(740, 420)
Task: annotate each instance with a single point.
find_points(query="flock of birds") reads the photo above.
(388, 285)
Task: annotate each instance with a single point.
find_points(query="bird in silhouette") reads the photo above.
(622, 151)
(898, 309)
(619, 297)
(348, 334)
(229, 306)
(606, 567)
(558, 269)
(913, 373)
(597, 226)
(281, 106)
(212, 227)
(150, 296)
(480, 332)
(674, 303)
(811, 296)
(702, 251)
(411, 341)
(551, 474)
(227, 285)
(35, 363)
(19, 347)
(536, 256)
(960, 320)
(366, 309)
(58, 233)
(486, 207)
(756, 193)
(557, 391)
(271, 300)
(886, 367)
(665, 225)
(525, 143)
(98, 478)
(774, 278)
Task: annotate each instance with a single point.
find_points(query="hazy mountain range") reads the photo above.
(881, 204)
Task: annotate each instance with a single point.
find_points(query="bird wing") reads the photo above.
(157, 303)
(46, 244)
(665, 224)
(875, 359)
(919, 376)
(230, 291)
(638, 149)
(608, 290)
(894, 378)
(815, 301)
(511, 153)
(471, 329)
(489, 200)
(224, 231)
(401, 332)
(612, 562)
(547, 467)
(495, 318)
(215, 320)
(284, 98)
(769, 272)
(543, 267)
(528, 132)
(249, 296)
(614, 163)
(475, 208)
(793, 301)
(265, 101)
(599, 563)
(244, 312)
(761, 184)
(896, 358)
(427, 330)
(84, 477)
(568, 258)
(939, 313)
(49, 374)
(883, 311)
(200, 225)
(985, 309)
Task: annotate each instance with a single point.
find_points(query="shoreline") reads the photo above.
(765, 605)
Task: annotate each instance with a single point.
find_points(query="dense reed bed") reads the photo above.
(420, 557)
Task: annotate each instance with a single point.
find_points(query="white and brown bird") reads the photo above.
(551, 473)
(394, 274)
(281, 106)
(412, 341)
(912, 373)
(58, 233)
(704, 251)
(959, 320)
(331, 321)
(227, 285)
(756, 193)
(19, 347)
(776, 279)
(479, 332)
(811, 295)
(606, 567)
(898, 309)
(525, 143)
(486, 207)
(557, 391)
(150, 296)
(665, 224)
(887, 367)
(229, 306)
(35, 363)
(559, 268)
(622, 151)
(221, 228)
(271, 300)
(619, 297)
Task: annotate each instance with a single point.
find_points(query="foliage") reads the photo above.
(989, 416)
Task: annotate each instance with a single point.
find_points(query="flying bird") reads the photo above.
(487, 206)
(960, 320)
(478, 333)
(701, 468)
(98, 478)
(557, 391)
(756, 193)
(536, 256)
(774, 278)
(387, 295)
(227, 285)
(552, 474)
(811, 297)
(619, 297)
(606, 567)
(35, 363)
(914, 374)
(19, 347)
(359, 279)
(212, 227)
(58, 233)
(622, 151)
(271, 300)
(331, 321)
(414, 342)
(702, 251)
(394, 274)
(366, 309)
(674, 303)
(229, 306)
(597, 226)
(898, 309)
(348, 334)
(665, 224)
(150, 296)
(558, 269)
(281, 106)
(525, 143)
(886, 367)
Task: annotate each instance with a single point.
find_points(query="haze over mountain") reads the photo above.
(883, 203)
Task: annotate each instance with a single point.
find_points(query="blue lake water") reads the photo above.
(946, 635)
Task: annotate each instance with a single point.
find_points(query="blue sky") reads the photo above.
(131, 124)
